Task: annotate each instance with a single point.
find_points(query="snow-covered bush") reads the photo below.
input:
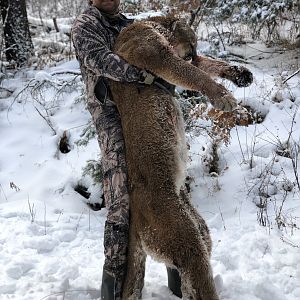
(56, 8)
(264, 18)
(94, 169)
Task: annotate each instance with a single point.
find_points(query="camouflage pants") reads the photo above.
(108, 125)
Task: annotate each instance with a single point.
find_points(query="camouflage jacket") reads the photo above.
(93, 36)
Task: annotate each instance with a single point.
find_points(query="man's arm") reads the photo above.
(93, 52)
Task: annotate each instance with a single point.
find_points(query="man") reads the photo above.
(94, 33)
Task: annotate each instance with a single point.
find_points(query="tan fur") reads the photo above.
(163, 222)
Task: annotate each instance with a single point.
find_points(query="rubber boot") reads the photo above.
(108, 286)
(174, 282)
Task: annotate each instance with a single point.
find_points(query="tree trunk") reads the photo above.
(17, 37)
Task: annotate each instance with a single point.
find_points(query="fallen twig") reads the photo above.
(285, 240)
(294, 74)
(66, 72)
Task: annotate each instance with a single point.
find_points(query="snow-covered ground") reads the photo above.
(51, 242)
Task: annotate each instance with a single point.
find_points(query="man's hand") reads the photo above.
(146, 77)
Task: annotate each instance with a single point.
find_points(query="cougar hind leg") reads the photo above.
(134, 281)
(197, 281)
(177, 242)
(199, 221)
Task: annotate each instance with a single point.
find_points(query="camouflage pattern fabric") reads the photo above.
(115, 186)
(93, 36)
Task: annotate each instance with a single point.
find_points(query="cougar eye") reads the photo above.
(188, 57)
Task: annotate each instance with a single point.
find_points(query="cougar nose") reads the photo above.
(194, 54)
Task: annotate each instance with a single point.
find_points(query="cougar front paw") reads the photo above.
(240, 76)
(226, 103)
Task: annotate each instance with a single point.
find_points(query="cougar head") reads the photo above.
(180, 36)
(184, 40)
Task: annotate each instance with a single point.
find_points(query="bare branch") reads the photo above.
(47, 120)
(294, 74)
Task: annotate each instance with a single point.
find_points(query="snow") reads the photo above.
(64, 24)
(51, 243)
(144, 15)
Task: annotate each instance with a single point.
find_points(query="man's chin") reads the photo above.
(109, 9)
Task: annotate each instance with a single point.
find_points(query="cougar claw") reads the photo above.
(227, 103)
(242, 77)
(240, 109)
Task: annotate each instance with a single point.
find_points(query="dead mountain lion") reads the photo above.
(163, 222)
